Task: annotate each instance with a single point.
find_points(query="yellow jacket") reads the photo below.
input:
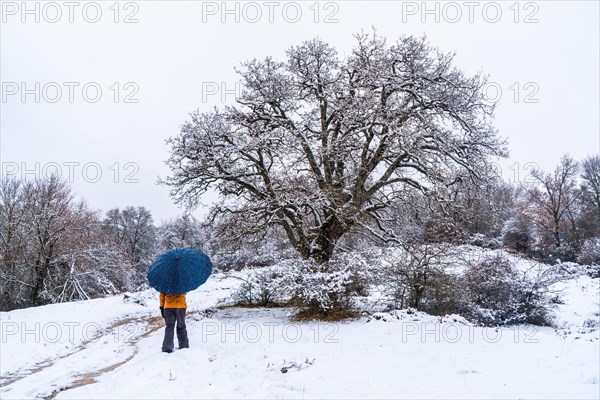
(173, 300)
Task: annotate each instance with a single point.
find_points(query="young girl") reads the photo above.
(172, 308)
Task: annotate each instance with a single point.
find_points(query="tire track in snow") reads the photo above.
(48, 378)
(87, 378)
(17, 375)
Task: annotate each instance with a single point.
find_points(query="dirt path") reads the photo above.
(110, 348)
(149, 324)
(87, 378)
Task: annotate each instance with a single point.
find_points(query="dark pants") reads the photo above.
(173, 315)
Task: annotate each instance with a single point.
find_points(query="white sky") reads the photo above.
(178, 48)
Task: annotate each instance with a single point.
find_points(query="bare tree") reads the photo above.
(89, 264)
(14, 282)
(518, 231)
(554, 197)
(416, 272)
(479, 207)
(184, 231)
(133, 232)
(318, 144)
(591, 181)
(48, 205)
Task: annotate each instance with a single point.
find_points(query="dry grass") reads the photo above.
(310, 315)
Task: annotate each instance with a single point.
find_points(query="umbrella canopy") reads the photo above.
(179, 271)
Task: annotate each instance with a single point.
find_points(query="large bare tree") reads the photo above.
(318, 144)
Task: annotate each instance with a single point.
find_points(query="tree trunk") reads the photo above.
(556, 234)
(418, 294)
(328, 236)
(39, 282)
(42, 266)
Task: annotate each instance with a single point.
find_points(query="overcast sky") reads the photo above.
(94, 89)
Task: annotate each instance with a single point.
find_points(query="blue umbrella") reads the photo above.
(179, 271)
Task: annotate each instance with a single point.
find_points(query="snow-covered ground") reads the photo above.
(110, 348)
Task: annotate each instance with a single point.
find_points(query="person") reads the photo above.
(172, 309)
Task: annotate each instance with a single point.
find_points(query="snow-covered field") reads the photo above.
(110, 348)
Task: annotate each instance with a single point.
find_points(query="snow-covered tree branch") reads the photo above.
(315, 143)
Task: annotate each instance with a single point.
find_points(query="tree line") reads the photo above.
(54, 248)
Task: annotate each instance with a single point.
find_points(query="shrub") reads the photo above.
(517, 234)
(556, 254)
(269, 286)
(445, 295)
(498, 294)
(491, 291)
(328, 288)
(318, 290)
(444, 230)
(590, 252)
(414, 276)
(481, 240)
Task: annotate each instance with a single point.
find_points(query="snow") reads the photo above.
(263, 353)
(56, 330)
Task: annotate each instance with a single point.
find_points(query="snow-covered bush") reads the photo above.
(498, 294)
(268, 286)
(328, 288)
(430, 278)
(517, 234)
(552, 253)
(490, 291)
(317, 289)
(490, 281)
(590, 255)
(481, 240)
(415, 276)
(444, 230)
